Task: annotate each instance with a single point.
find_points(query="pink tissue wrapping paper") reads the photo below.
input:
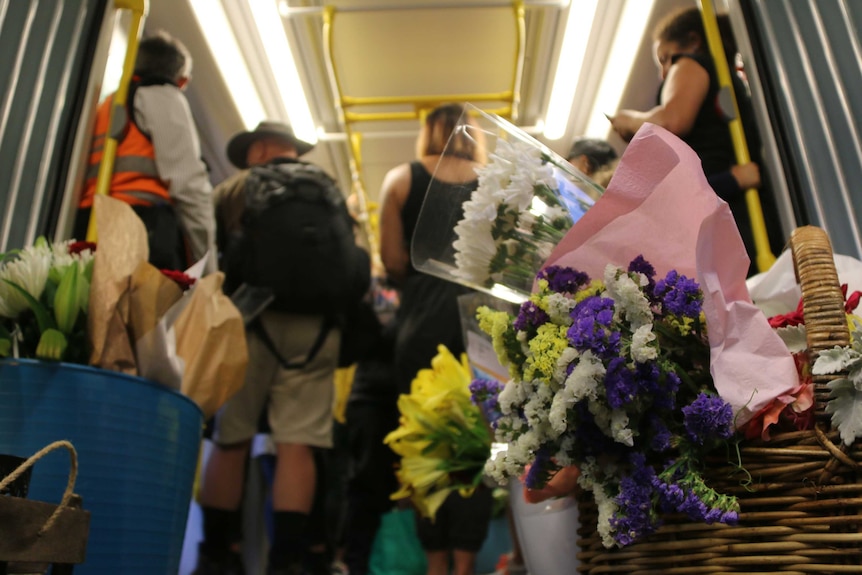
(659, 205)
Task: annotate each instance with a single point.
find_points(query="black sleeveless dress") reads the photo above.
(428, 314)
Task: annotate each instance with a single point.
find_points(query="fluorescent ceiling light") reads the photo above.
(577, 33)
(116, 58)
(627, 40)
(267, 19)
(223, 45)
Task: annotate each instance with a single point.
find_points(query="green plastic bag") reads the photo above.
(396, 549)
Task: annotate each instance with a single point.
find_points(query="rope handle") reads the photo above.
(70, 486)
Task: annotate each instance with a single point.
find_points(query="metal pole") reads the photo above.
(765, 257)
(139, 9)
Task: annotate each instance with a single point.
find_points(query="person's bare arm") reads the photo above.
(393, 244)
(685, 89)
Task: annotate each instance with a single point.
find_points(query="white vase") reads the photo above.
(547, 532)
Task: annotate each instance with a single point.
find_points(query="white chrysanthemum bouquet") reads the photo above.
(506, 222)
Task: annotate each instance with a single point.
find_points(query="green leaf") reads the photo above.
(43, 318)
(5, 347)
(794, 337)
(52, 345)
(845, 405)
(66, 300)
(833, 360)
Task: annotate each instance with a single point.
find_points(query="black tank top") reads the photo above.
(709, 136)
(440, 201)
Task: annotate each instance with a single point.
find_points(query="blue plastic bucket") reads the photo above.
(137, 445)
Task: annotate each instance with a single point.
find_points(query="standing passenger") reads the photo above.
(158, 168)
(428, 315)
(688, 107)
(299, 397)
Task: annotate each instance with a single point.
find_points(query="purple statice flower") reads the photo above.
(563, 279)
(640, 265)
(670, 495)
(660, 435)
(665, 394)
(635, 518)
(530, 317)
(621, 388)
(708, 418)
(681, 489)
(538, 474)
(591, 327)
(679, 295)
(647, 376)
(485, 394)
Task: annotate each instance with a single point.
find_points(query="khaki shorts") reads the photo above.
(300, 400)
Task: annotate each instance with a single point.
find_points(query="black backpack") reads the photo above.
(297, 241)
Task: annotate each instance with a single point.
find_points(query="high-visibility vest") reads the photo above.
(136, 180)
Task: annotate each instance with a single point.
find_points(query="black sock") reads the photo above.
(289, 541)
(222, 530)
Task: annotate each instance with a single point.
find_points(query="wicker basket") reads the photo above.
(801, 511)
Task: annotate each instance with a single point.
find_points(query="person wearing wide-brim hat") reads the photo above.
(276, 132)
(297, 401)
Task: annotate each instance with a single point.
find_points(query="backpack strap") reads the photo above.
(260, 330)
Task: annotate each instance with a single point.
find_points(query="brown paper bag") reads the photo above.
(151, 294)
(211, 340)
(122, 247)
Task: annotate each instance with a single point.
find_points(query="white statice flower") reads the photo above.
(512, 396)
(602, 416)
(516, 456)
(620, 430)
(642, 351)
(559, 308)
(558, 414)
(589, 470)
(608, 509)
(563, 457)
(569, 355)
(629, 298)
(586, 377)
(29, 270)
(528, 443)
(535, 410)
(495, 467)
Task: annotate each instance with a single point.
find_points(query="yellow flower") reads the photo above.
(439, 430)
(545, 350)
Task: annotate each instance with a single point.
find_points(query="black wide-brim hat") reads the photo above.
(237, 148)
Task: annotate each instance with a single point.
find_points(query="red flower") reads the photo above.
(183, 280)
(852, 302)
(78, 247)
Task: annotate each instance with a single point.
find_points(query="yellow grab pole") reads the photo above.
(765, 257)
(139, 9)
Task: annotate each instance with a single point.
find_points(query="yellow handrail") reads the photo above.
(418, 105)
(765, 257)
(139, 9)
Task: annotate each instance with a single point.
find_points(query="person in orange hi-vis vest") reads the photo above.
(158, 168)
